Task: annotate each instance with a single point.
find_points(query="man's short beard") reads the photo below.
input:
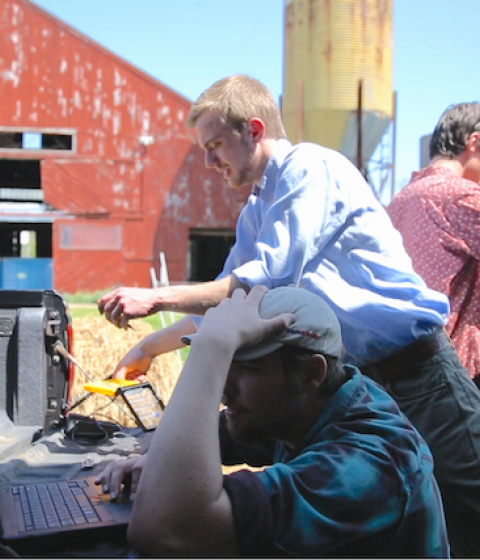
(278, 430)
(249, 435)
(245, 177)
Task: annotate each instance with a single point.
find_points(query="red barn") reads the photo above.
(97, 165)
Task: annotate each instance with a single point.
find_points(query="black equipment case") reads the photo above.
(34, 378)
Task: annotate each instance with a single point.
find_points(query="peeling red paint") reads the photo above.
(133, 163)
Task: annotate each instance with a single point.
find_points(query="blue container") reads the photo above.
(26, 273)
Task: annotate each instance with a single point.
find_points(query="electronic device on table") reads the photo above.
(63, 512)
(49, 514)
(142, 401)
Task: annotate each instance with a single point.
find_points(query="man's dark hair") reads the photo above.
(295, 359)
(449, 139)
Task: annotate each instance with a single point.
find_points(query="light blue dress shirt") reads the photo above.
(314, 222)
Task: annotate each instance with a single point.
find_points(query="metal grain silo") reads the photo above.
(338, 55)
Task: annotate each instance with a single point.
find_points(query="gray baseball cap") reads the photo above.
(316, 327)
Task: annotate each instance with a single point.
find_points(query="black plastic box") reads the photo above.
(33, 377)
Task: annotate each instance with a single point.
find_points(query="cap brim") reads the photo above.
(245, 354)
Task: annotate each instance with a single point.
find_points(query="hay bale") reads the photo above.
(98, 346)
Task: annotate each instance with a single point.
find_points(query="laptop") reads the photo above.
(61, 513)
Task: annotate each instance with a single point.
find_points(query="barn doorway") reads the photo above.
(25, 231)
(207, 251)
(24, 234)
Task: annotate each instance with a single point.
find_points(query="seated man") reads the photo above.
(346, 473)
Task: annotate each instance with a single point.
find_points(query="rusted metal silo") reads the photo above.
(334, 50)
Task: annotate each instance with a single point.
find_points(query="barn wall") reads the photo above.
(133, 168)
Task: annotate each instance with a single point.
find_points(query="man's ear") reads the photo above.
(315, 371)
(473, 142)
(256, 128)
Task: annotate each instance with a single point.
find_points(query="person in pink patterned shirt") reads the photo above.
(438, 215)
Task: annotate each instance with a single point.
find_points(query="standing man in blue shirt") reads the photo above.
(346, 475)
(312, 221)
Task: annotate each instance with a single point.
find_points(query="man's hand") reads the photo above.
(123, 304)
(236, 320)
(134, 365)
(116, 473)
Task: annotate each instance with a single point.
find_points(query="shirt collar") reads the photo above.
(266, 186)
(433, 169)
(335, 409)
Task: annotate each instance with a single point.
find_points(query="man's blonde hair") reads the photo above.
(237, 99)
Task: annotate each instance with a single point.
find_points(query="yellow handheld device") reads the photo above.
(145, 405)
(108, 387)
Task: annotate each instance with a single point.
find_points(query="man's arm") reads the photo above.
(463, 222)
(123, 304)
(137, 361)
(181, 507)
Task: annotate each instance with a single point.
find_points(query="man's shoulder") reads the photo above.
(309, 149)
(362, 393)
(436, 182)
(311, 158)
(371, 396)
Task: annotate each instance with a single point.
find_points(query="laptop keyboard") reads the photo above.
(56, 504)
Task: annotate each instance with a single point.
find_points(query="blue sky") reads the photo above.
(188, 44)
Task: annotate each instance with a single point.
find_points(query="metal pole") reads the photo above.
(300, 111)
(359, 128)
(394, 142)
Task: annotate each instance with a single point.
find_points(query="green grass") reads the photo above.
(85, 297)
(79, 312)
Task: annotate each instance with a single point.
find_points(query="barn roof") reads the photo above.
(28, 4)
